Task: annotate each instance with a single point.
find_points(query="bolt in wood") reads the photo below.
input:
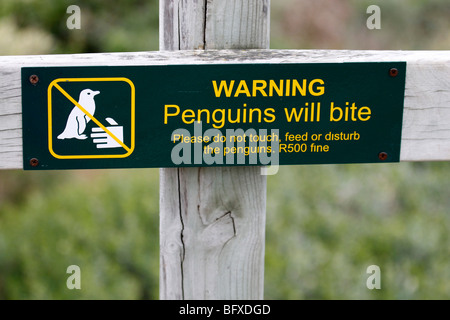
(393, 72)
(34, 79)
(382, 156)
(34, 162)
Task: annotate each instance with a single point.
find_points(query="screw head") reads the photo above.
(393, 72)
(382, 156)
(34, 162)
(34, 79)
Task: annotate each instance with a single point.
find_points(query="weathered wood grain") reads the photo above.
(237, 24)
(426, 120)
(212, 233)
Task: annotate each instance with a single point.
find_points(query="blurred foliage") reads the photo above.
(105, 222)
(106, 26)
(341, 24)
(325, 224)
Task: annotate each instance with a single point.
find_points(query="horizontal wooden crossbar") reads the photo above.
(426, 119)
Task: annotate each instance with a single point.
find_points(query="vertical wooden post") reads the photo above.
(212, 220)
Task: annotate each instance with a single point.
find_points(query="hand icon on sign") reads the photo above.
(105, 140)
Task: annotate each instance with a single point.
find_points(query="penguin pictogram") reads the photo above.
(77, 120)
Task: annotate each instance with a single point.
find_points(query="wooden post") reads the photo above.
(212, 220)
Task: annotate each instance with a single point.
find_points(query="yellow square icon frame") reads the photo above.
(54, 84)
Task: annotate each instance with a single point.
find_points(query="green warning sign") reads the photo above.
(212, 115)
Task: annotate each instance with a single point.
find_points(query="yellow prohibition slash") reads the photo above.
(54, 83)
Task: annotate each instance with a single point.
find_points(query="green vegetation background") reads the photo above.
(325, 224)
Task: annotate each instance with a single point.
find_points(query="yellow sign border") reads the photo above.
(55, 82)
